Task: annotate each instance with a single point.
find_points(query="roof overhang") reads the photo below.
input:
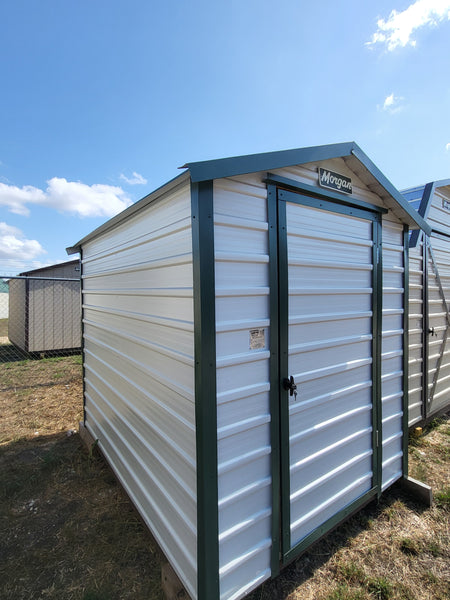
(350, 152)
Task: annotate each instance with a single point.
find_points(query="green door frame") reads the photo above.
(281, 190)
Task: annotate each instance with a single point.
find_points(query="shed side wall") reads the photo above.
(54, 315)
(139, 368)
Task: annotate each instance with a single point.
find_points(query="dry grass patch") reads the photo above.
(69, 532)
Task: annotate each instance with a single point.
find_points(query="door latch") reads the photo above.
(432, 332)
(291, 386)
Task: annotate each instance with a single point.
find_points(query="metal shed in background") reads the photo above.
(45, 308)
(245, 356)
(429, 349)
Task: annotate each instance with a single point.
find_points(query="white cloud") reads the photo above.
(392, 104)
(14, 244)
(447, 146)
(399, 27)
(16, 198)
(73, 197)
(137, 179)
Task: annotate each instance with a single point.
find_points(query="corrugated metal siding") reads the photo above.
(438, 342)
(416, 325)
(139, 363)
(242, 304)
(330, 357)
(17, 313)
(392, 352)
(54, 315)
(439, 212)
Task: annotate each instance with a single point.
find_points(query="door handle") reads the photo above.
(290, 385)
(431, 331)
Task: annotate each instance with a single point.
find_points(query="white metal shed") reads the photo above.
(45, 308)
(245, 356)
(429, 323)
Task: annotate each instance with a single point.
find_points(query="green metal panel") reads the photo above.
(274, 379)
(405, 348)
(205, 391)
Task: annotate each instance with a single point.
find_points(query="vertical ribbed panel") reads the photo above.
(392, 353)
(243, 413)
(17, 322)
(416, 326)
(54, 315)
(139, 365)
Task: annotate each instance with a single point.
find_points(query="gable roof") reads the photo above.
(350, 152)
(421, 198)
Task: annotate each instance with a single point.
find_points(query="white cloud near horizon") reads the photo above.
(14, 244)
(399, 27)
(74, 197)
(136, 179)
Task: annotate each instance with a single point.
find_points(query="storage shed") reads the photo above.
(45, 308)
(429, 348)
(245, 356)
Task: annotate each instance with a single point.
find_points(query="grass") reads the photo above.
(69, 532)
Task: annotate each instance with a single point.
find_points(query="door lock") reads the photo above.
(291, 386)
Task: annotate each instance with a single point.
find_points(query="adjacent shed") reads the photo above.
(245, 356)
(429, 372)
(45, 308)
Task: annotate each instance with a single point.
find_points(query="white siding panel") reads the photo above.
(439, 341)
(139, 364)
(242, 304)
(416, 325)
(330, 423)
(392, 352)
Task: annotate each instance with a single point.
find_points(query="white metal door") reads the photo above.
(326, 366)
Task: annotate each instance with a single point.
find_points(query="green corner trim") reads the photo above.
(205, 391)
(405, 349)
(274, 379)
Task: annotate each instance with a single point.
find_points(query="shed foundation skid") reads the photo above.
(245, 356)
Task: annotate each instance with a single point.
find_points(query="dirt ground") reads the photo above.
(68, 531)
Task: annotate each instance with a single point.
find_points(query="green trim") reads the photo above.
(330, 524)
(377, 333)
(405, 349)
(283, 372)
(330, 205)
(318, 192)
(426, 325)
(274, 380)
(205, 391)
(392, 191)
(254, 163)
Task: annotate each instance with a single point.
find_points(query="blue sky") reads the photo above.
(102, 101)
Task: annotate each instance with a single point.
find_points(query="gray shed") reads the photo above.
(429, 349)
(45, 308)
(245, 356)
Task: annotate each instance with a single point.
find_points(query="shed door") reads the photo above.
(438, 269)
(327, 346)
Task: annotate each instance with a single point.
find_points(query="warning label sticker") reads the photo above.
(257, 339)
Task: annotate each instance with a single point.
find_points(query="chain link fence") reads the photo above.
(39, 316)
